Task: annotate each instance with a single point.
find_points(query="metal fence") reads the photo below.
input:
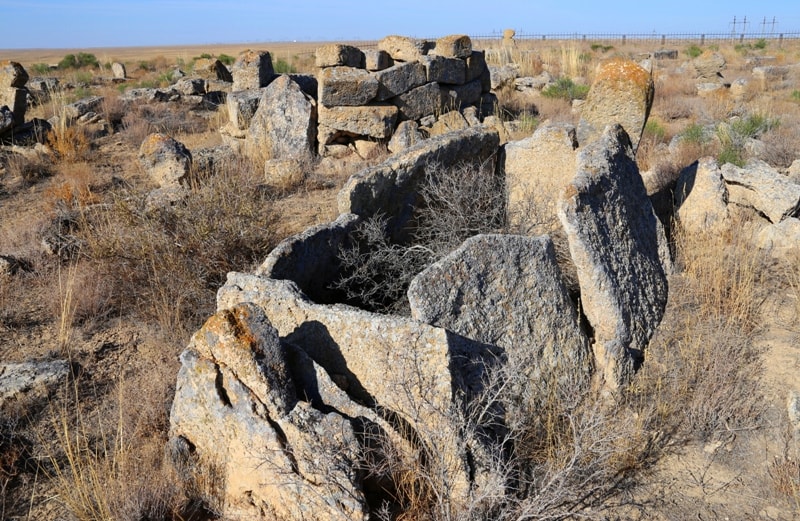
(662, 38)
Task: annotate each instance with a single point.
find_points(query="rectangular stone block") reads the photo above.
(453, 46)
(376, 60)
(375, 121)
(476, 65)
(335, 55)
(16, 100)
(445, 70)
(346, 87)
(241, 107)
(399, 79)
(458, 96)
(420, 102)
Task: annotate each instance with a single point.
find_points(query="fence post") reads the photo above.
(584, 37)
(663, 39)
(623, 39)
(741, 38)
(780, 41)
(702, 39)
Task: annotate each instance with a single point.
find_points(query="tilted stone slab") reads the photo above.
(423, 101)
(619, 249)
(392, 188)
(537, 169)
(375, 120)
(311, 258)
(335, 55)
(622, 92)
(445, 70)
(13, 75)
(409, 370)
(242, 105)
(236, 411)
(346, 86)
(399, 79)
(701, 198)
(284, 125)
(507, 290)
(761, 187)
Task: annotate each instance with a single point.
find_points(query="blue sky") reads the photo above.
(94, 23)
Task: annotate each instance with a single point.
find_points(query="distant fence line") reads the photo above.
(623, 38)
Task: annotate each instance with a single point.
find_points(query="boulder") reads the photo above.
(12, 75)
(503, 75)
(283, 174)
(252, 70)
(308, 83)
(236, 416)
(771, 77)
(445, 70)
(537, 169)
(284, 125)
(399, 79)
(16, 100)
(781, 240)
(449, 122)
(622, 92)
(376, 120)
(118, 70)
(665, 54)
(6, 119)
(406, 134)
(376, 60)
(392, 188)
(507, 290)
(708, 66)
(701, 198)
(221, 72)
(762, 188)
(32, 379)
(423, 101)
(80, 108)
(191, 86)
(619, 250)
(453, 46)
(403, 48)
(242, 105)
(167, 162)
(336, 55)
(533, 83)
(346, 86)
(369, 149)
(476, 66)
(407, 370)
(793, 174)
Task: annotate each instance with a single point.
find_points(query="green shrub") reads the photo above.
(204, 56)
(731, 154)
(760, 44)
(226, 59)
(694, 51)
(565, 88)
(281, 66)
(695, 133)
(796, 95)
(600, 47)
(754, 125)
(655, 130)
(82, 59)
(40, 68)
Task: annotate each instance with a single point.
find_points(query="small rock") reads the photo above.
(167, 161)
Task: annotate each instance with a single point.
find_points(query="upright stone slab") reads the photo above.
(701, 198)
(619, 249)
(399, 79)
(536, 171)
(346, 86)
(284, 126)
(622, 93)
(507, 290)
(242, 105)
(252, 70)
(12, 75)
(118, 70)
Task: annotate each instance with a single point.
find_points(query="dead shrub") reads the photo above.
(69, 142)
(781, 146)
(72, 187)
(28, 169)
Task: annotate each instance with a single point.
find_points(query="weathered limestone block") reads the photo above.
(191, 86)
(310, 259)
(82, 107)
(252, 70)
(622, 92)
(420, 102)
(284, 125)
(346, 86)
(537, 169)
(308, 83)
(761, 187)
(449, 122)
(369, 149)
(619, 249)
(12, 75)
(781, 240)
(665, 54)
(399, 79)
(236, 415)
(392, 188)
(283, 174)
(456, 97)
(503, 75)
(445, 70)
(6, 119)
(335, 55)
(31, 378)
(476, 66)
(507, 290)
(369, 120)
(395, 364)
(453, 46)
(701, 198)
(16, 100)
(242, 105)
(708, 66)
(406, 134)
(403, 48)
(376, 60)
(167, 161)
(221, 72)
(118, 70)
(770, 78)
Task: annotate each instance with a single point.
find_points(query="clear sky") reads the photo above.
(106, 23)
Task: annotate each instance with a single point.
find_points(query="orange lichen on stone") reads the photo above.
(152, 143)
(623, 71)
